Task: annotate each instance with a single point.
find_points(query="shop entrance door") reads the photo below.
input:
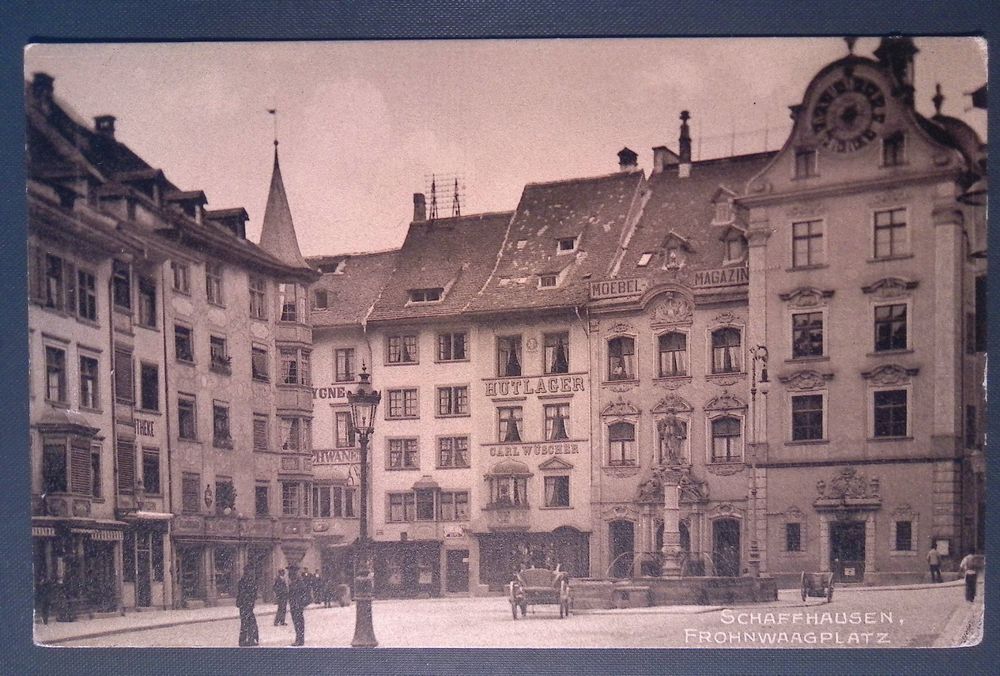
(622, 539)
(847, 550)
(726, 547)
(457, 571)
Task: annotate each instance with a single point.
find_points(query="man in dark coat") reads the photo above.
(298, 599)
(246, 597)
(281, 596)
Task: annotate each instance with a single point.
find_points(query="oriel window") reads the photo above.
(288, 294)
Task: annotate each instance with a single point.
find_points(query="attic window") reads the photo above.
(893, 150)
(644, 259)
(565, 245)
(320, 299)
(426, 295)
(547, 281)
(736, 247)
(805, 163)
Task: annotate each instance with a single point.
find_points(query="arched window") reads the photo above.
(727, 440)
(621, 353)
(673, 355)
(726, 351)
(621, 443)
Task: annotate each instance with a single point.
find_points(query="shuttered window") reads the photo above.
(124, 386)
(126, 466)
(80, 468)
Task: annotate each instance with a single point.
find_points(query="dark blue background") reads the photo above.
(23, 21)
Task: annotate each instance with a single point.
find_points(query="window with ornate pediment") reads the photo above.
(673, 354)
(727, 350)
(621, 443)
(621, 358)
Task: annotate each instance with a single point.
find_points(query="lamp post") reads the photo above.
(758, 360)
(363, 401)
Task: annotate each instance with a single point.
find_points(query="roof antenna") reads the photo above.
(274, 112)
(850, 40)
(938, 99)
(456, 203)
(434, 200)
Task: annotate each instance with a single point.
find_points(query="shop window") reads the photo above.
(508, 356)
(262, 499)
(557, 352)
(186, 418)
(807, 417)
(452, 346)
(147, 302)
(453, 400)
(149, 387)
(344, 369)
(182, 277)
(86, 293)
(890, 413)
(509, 419)
(726, 351)
(89, 393)
(402, 404)
(621, 354)
(151, 471)
(557, 491)
(55, 375)
(259, 363)
(224, 559)
(403, 454)
(673, 354)
(349, 500)
(213, 283)
(621, 444)
(807, 243)
(183, 344)
(890, 327)
(890, 233)
(401, 349)
(191, 493)
(258, 297)
(793, 537)
(727, 440)
(156, 552)
(556, 422)
(453, 452)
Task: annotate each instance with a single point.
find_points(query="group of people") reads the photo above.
(969, 567)
(293, 594)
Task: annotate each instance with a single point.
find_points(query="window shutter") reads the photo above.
(124, 386)
(80, 468)
(126, 466)
(36, 274)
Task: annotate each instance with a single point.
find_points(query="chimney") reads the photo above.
(41, 88)
(105, 125)
(627, 159)
(896, 54)
(684, 143)
(419, 207)
(663, 157)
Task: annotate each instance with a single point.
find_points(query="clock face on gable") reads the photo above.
(848, 114)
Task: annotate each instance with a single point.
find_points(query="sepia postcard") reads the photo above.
(591, 343)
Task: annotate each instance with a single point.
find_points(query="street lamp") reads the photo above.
(363, 401)
(758, 360)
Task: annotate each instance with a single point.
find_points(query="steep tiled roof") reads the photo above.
(277, 235)
(351, 290)
(685, 208)
(456, 254)
(596, 211)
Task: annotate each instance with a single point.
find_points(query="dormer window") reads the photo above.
(566, 245)
(735, 246)
(805, 163)
(548, 281)
(893, 150)
(644, 259)
(426, 295)
(723, 211)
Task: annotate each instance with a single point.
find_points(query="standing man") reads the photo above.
(246, 597)
(281, 596)
(934, 561)
(298, 599)
(968, 565)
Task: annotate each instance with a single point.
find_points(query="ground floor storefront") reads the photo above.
(502, 555)
(208, 572)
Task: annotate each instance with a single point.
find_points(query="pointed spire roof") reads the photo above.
(277, 236)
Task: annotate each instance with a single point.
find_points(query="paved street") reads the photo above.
(866, 617)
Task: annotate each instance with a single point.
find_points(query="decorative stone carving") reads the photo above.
(793, 513)
(555, 463)
(890, 374)
(650, 491)
(725, 402)
(621, 471)
(726, 380)
(692, 490)
(724, 469)
(595, 324)
(618, 512)
(805, 210)
(672, 383)
(904, 512)
(847, 483)
(725, 318)
(81, 508)
(672, 404)
(890, 287)
(672, 309)
(806, 296)
(623, 386)
(760, 187)
(805, 380)
(621, 327)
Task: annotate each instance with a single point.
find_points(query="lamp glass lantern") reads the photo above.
(364, 402)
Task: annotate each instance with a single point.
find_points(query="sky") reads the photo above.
(364, 125)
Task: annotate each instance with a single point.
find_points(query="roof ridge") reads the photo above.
(584, 179)
(352, 253)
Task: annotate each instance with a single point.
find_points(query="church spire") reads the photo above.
(277, 236)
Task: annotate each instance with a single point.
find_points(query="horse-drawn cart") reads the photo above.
(818, 585)
(539, 586)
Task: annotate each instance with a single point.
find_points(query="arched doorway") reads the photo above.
(621, 539)
(726, 547)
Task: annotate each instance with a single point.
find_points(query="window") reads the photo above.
(508, 491)
(727, 440)
(151, 471)
(220, 425)
(556, 422)
(452, 346)
(322, 503)
(805, 163)
(890, 327)
(121, 285)
(225, 496)
(126, 466)
(344, 370)
(425, 505)
(673, 355)
(509, 356)
(509, 424)
(288, 299)
(183, 343)
(425, 295)
(807, 243)
(556, 353)
(258, 298)
(621, 353)
(291, 434)
(403, 454)
(644, 259)
(55, 374)
(295, 366)
(453, 400)
(343, 429)
(793, 537)
(971, 428)
(557, 491)
(213, 283)
(893, 150)
(402, 349)
(182, 277)
(54, 468)
(621, 443)
(401, 507)
(55, 282)
(259, 363)
(904, 536)
(86, 294)
(289, 498)
(95, 472)
(219, 353)
(890, 233)
(124, 385)
(547, 281)
(261, 432)
(736, 247)
(453, 452)
(565, 245)
(723, 211)
(262, 499)
(807, 417)
(453, 506)
(402, 404)
(186, 428)
(890, 413)
(191, 493)
(321, 299)
(807, 335)
(147, 302)
(726, 351)
(149, 387)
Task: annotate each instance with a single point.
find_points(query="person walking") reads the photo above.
(968, 566)
(281, 597)
(934, 561)
(43, 597)
(246, 598)
(298, 599)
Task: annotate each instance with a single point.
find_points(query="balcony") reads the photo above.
(499, 517)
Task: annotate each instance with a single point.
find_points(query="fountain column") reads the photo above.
(671, 523)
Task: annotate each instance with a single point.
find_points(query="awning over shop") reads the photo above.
(95, 534)
(43, 531)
